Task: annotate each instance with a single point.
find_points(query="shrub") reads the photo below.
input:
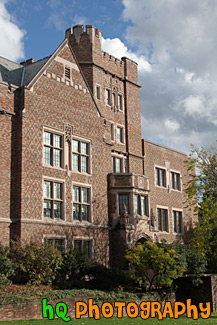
(7, 267)
(80, 271)
(35, 265)
(195, 262)
(153, 266)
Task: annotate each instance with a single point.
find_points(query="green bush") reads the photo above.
(35, 264)
(152, 266)
(195, 262)
(80, 271)
(7, 267)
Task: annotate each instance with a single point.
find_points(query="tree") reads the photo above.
(202, 196)
(151, 265)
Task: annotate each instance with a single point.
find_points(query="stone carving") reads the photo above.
(124, 218)
(140, 182)
(68, 133)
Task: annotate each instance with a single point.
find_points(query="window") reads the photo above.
(52, 149)
(67, 73)
(175, 181)
(108, 96)
(177, 221)
(117, 165)
(84, 246)
(120, 104)
(81, 203)
(80, 156)
(98, 95)
(112, 132)
(120, 134)
(160, 175)
(53, 199)
(162, 215)
(114, 99)
(140, 205)
(123, 199)
(58, 243)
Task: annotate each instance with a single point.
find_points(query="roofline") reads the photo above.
(165, 147)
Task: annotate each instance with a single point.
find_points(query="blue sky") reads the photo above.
(173, 41)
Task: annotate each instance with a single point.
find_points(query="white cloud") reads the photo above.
(117, 48)
(178, 96)
(11, 36)
(79, 20)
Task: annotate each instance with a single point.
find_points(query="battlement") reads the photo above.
(87, 45)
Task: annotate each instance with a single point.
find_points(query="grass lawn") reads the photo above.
(114, 320)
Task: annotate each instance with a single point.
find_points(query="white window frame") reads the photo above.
(120, 107)
(53, 132)
(108, 97)
(79, 154)
(90, 216)
(45, 236)
(165, 176)
(168, 219)
(180, 182)
(82, 239)
(182, 224)
(121, 127)
(63, 215)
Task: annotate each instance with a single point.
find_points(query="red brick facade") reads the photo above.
(81, 96)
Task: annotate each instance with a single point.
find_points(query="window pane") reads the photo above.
(75, 146)
(157, 176)
(118, 134)
(84, 148)
(176, 181)
(47, 138)
(84, 210)
(57, 209)
(174, 221)
(57, 191)
(77, 245)
(57, 141)
(161, 177)
(159, 219)
(119, 101)
(47, 209)
(136, 203)
(76, 196)
(179, 222)
(56, 157)
(118, 165)
(84, 195)
(76, 210)
(143, 208)
(75, 162)
(47, 189)
(83, 164)
(164, 219)
(47, 155)
(108, 96)
(113, 164)
(123, 199)
(86, 247)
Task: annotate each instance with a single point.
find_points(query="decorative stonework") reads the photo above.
(68, 133)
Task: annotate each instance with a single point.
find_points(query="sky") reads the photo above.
(174, 43)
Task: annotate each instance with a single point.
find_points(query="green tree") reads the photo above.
(202, 196)
(151, 265)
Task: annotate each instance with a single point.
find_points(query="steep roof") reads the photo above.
(18, 74)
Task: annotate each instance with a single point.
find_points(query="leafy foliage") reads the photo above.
(34, 264)
(194, 261)
(80, 271)
(6, 266)
(202, 196)
(151, 265)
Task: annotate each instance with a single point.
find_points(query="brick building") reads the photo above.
(74, 169)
